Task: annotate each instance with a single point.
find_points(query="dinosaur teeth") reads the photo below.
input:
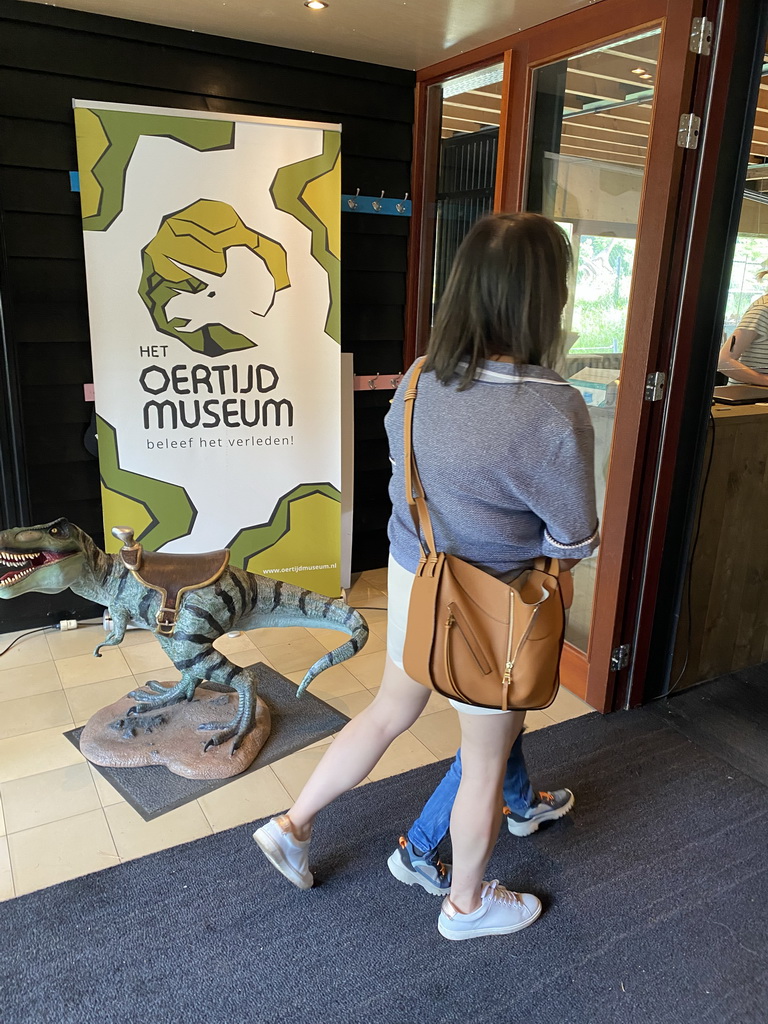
(8, 581)
(11, 558)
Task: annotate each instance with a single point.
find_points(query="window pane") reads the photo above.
(587, 156)
(469, 130)
(749, 259)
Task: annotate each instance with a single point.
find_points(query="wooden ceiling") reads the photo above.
(474, 110)
(607, 108)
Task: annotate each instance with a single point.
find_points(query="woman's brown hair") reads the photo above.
(504, 297)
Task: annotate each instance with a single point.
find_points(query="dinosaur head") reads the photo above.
(40, 559)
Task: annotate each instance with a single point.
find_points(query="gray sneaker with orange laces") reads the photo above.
(545, 807)
(413, 867)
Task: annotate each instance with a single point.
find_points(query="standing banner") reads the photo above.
(212, 263)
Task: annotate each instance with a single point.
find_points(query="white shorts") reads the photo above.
(399, 583)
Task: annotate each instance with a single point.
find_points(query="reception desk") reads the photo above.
(727, 628)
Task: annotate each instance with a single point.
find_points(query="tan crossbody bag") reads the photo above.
(471, 636)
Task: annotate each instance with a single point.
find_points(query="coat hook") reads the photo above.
(352, 203)
(372, 383)
(377, 204)
(400, 207)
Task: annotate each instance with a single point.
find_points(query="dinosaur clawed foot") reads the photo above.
(160, 697)
(226, 731)
(155, 687)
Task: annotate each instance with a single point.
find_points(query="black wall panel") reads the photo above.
(48, 56)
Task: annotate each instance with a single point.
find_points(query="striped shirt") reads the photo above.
(756, 319)
(507, 468)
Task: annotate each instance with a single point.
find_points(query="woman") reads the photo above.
(505, 453)
(744, 356)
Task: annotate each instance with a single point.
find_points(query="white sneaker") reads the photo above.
(287, 853)
(501, 912)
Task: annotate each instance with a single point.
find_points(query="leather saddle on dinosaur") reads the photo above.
(171, 574)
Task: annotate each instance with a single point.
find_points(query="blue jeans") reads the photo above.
(433, 822)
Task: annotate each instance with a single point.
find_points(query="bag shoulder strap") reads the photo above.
(414, 490)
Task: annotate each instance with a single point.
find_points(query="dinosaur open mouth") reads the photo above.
(21, 565)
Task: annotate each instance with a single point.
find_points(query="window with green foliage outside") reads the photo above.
(597, 312)
(749, 258)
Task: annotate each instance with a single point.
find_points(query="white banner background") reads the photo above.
(232, 486)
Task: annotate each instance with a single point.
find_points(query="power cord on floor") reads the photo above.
(40, 629)
(72, 624)
(689, 586)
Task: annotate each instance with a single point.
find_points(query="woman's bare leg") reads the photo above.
(360, 745)
(486, 741)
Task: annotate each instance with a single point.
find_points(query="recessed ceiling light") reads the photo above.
(315, 5)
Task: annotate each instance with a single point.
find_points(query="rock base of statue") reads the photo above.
(171, 736)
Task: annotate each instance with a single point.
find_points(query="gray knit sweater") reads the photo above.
(507, 468)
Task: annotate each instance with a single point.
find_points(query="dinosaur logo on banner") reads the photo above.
(197, 270)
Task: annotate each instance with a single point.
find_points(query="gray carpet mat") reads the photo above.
(296, 723)
(654, 888)
(728, 716)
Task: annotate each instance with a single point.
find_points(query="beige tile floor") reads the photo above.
(59, 818)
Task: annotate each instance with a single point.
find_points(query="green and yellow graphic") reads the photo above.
(106, 140)
(309, 190)
(158, 511)
(286, 546)
(200, 236)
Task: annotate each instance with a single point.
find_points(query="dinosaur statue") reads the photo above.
(188, 601)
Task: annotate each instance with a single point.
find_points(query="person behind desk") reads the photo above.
(744, 356)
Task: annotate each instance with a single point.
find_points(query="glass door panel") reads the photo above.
(751, 255)
(587, 160)
(470, 113)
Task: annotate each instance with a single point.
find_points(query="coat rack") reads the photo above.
(376, 204)
(377, 382)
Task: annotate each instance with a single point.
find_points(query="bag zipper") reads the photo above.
(507, 678)
(512, 658)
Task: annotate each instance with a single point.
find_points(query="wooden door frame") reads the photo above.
(522, 54)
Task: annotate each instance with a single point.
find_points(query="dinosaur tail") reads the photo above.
(349, 620)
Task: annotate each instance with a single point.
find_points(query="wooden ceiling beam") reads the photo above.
(469, 106)
(634, 56)
(623, 119)
(488, 99)
(609, 144)
(606, 77)
(472, 120)
(625, 136)
(603, 158)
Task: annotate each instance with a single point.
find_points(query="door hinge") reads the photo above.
(654, 386)
(688, 132)
(620, 657)
(701, 36)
